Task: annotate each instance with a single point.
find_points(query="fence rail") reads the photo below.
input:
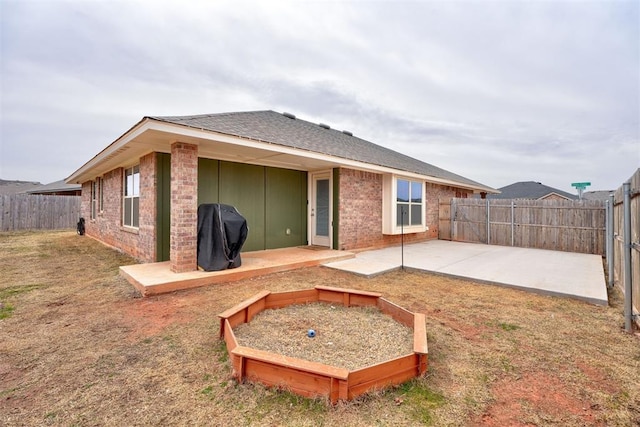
(38, 212)
(572, 226)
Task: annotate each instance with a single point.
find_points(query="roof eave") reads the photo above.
(84, 173)
(341, 161)
(137, 129)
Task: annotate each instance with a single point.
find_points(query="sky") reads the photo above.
(496, 91)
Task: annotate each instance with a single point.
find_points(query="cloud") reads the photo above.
(498, 92)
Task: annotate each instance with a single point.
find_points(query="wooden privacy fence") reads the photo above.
(618, 269)
(38, 212)
(571, 226)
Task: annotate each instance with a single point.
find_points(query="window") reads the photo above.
(403, 205)
(100, 195)
(94, 198)
(408, 202)
(131, 197)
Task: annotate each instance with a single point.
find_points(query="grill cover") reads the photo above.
(221, 233)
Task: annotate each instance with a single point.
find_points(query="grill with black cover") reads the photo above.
(222, 231)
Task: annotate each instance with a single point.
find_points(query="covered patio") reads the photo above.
(157, 278)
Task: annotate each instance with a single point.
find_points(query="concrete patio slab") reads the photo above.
(556, 273)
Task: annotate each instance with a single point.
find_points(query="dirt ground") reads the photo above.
(345, 337)
(78, 346)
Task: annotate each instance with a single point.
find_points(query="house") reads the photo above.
(8, 188)
(296, 182)
(57, 188)
(602, 195)
(532, 190)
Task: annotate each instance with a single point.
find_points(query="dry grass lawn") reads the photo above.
(79, 347)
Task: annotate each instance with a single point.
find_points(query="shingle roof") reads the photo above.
(529, 190)
(288, 131)
(597, 195)
(54, 187)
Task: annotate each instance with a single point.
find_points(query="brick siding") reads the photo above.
(360, 211)
(107, 226)
(184, 207)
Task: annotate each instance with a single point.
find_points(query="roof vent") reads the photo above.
(289, 115)
(322, 125)
(346, 132)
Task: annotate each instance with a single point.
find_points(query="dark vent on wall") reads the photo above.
(346, 132)
(322, 125)
(289, 115)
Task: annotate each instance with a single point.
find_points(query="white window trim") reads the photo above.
(389, 207)
(125, 197)
(94, 200)
(100, 194)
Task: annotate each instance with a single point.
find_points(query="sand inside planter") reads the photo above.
(346, 337)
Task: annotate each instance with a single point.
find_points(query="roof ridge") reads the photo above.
(199, 116)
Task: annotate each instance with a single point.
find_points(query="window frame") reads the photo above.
(100, 194)
(410, 203)
(94, 200)
(130, 199)
(390, 205)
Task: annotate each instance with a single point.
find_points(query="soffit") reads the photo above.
(150, 136)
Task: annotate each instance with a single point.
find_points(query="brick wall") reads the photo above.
(107, 226)
(184, 207)
(147, 242)
(360, 211)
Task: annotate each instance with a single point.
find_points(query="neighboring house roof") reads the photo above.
(56, 187)
(530, 190)
(8, 188)
(597, 195)
(268, 130)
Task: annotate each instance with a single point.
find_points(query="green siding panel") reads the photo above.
(243, 186)
(208, 188)
(271, 199)
(286, 208)
(163, 211)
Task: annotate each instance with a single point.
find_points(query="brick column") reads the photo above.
(184, 207)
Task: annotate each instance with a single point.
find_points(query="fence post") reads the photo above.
(628, 305)
(513, 226)
(607, 246)
(488, 224)
(610, 239)
(454, 229)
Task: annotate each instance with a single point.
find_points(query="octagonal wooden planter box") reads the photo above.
(312, 379)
